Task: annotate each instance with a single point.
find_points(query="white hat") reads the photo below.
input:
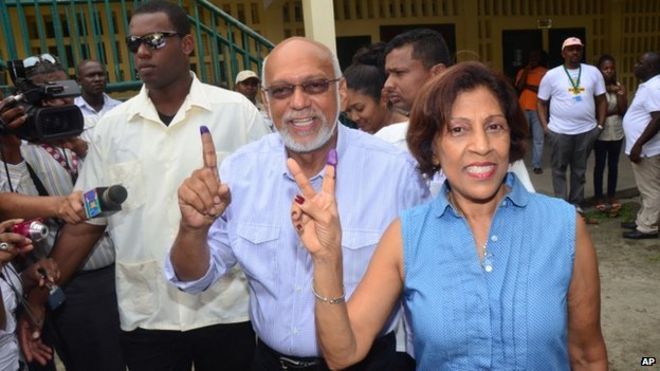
(570, 42)
(245, 75)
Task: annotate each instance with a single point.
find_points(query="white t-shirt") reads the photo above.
(638, 116)
(395, 134)
(572, 113)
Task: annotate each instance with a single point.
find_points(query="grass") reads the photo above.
(627, 213)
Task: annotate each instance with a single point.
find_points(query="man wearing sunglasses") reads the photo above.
(149, 144)
(375, 181)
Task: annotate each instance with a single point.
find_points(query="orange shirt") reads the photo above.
(527, 98)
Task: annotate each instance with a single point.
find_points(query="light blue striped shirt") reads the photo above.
(375, 182)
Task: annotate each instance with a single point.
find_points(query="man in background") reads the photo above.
(411, 59)
(528, 80)
(247, 83)
(575, 94)
(641, 125)
(93, 101)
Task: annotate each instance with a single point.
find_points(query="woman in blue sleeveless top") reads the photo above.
(492, 277)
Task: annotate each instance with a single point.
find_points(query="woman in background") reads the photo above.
(608, 146)
(367, 106)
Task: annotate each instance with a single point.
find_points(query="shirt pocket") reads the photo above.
(256, 249)
(137, 289)
(130, 175)
(358, 245)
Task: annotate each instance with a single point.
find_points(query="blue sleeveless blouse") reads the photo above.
(512, 318)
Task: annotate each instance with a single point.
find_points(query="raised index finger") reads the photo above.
(208, 150)
(303, 183)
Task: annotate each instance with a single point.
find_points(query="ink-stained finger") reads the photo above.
(208, 149)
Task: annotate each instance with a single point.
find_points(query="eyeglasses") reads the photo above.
(154, 40)
(311, 87)
(30, 62)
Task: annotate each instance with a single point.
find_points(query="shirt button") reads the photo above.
(493, 238)
(298, 288)
(295, 330)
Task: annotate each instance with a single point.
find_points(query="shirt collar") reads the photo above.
(517, 195)
(342, 133)
(144, 107)
(82, 103)
(656, 77)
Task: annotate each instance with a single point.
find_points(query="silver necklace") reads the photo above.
(487, 261)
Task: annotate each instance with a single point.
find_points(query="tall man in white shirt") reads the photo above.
(642, 125)
(575, 93)
(93, 101)
(375, 182)
(150, 144)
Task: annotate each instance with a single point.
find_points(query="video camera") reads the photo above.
(43, 123)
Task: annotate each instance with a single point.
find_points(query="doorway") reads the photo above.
(516, 45)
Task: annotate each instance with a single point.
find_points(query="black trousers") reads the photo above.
(84, 330)
(606, 152)
(381, 357)
(227, 347)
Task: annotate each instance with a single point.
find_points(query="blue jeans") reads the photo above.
(537, 133)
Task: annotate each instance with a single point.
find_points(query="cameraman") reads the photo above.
(19, 202)
(85, 329)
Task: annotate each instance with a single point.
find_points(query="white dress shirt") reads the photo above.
(91, 115)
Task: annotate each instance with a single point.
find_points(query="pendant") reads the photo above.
(487, 263)
(488, 266)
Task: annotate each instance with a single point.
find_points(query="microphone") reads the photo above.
(104, 201)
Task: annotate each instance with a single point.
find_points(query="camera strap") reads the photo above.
(37, 182)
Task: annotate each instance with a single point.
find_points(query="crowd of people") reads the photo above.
(265, 234)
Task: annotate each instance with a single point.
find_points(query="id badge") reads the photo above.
(577, 98)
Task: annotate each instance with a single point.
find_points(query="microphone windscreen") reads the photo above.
(117, 194)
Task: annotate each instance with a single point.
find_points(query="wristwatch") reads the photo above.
(600, 127)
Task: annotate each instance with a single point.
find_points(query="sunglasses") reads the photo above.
(311, 87)
(30, 62)
(154, 40)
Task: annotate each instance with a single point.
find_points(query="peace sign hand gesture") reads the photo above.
(314, 215)
(202, 196)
